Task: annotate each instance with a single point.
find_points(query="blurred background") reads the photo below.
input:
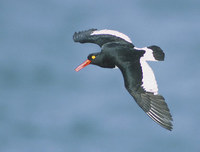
(46, 106)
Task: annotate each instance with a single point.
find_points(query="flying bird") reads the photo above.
(117, 50)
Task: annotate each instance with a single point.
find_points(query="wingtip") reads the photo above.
(81, 35)
(156, 108)
(170, 127)
(164, 122)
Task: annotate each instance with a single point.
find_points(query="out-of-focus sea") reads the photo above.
(45, 106)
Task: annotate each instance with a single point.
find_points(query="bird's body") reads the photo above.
(117, 50)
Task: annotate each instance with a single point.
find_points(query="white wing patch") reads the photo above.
(112, 32)
(148, 81)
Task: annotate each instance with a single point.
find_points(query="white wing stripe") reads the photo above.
(112, 32)
(148, 79)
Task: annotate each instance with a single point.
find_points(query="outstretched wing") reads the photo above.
(155, 107)
(141, 84)
(101, 37)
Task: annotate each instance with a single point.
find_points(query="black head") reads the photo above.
(95, 58)
(99, 59)
(92, 59)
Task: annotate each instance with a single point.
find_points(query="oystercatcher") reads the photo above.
(117, 50)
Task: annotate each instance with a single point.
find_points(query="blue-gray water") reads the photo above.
(45, 106)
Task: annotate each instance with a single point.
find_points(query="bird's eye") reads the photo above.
(93, 57)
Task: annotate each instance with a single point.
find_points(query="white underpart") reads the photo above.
(112, 32)
(148, 81)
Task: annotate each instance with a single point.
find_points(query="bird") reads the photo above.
(117, 50)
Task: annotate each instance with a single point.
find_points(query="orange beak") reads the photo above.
(84, 64)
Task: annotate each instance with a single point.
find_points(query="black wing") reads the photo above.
(101, 37)
(154, 105)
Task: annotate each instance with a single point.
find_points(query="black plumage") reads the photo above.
(118, 50)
